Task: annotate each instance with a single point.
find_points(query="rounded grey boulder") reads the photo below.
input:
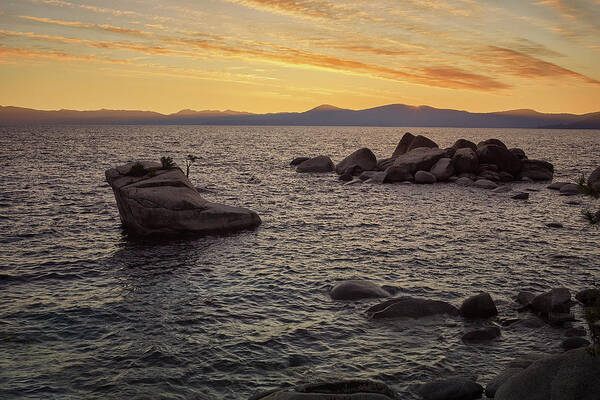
(537, 170)
(356, 289)
(465, 160)
(478, 306)
(464, 144)
(557, 300)
(363, 158)
(317, 164)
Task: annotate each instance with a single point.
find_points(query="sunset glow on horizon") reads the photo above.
(292, 55)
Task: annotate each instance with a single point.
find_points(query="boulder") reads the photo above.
(299, 160)
(163, 202)
(464, 144)
(385, 163)
(409, 307)
(464, 181)
(570, 375)
(419, 159)
(424, 177)
(495, 142)
(502, 189)
(484, 184)
(481, 335)
(519, 153)
(465, 160)
(589, 297)
(574, 343)
(570, 189)
(594, 180)
(489, 175)
(556, 185)
(363, 158)
(449, 152)
(455, 388)
(521, 196)
(488, 167)
(397, 174)
(443, 169)
(478, 306)
(356, 289)
(317, 164)
(555, 300)
(498, 380)
(537, 170)
(336, 390)
(403, 145)
(500, 156)
(525, 298)
(368, 175)
(421, 141)
(345, 177)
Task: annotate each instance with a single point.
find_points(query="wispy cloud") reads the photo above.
(78, 24)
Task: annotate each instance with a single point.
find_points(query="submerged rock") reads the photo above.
(409, 307)
(570, 189)
(570, 375)
(478, 306)
(316, 165)
(156, 201)
(298, 160)
(362, 158)
(520, 196)
(554, 224)
(481, 335)
(502, 189)
(455, 388)
(556, 185)
(464, 181)
(335, 390)
(485, 184)
(356, 289)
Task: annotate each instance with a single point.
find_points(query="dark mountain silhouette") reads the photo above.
(324, 115)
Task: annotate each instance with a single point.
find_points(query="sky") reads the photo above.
(292, 55)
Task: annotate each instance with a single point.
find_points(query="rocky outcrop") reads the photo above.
(443, 169)
(500, 156)
(537, 170)
(410, 307)
(335, 390)
(465, 160)
(356, 289)
(363, 158)
(454, 388)
(478, 306)
(424, 177)
(570, 375)
(419, 159)
(163, 202)
(316, 165)
(557, 300)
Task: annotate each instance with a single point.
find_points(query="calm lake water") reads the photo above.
(85, 313)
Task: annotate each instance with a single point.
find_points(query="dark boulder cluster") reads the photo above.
(418, 159)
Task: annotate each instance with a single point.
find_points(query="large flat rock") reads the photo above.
(163, 202)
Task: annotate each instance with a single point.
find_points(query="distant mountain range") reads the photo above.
(324, 115)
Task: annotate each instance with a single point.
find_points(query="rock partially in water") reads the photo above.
(356, 289)
(425, 177)
(520, 153)
(589, 297)
(485, 184)
(335, 390)
(465, 160)
(594, 180)
(498, 380)
(454, 388)
(403, 145)
(443, 169)
(557, 185)
(298, 160)
(556, 300)
(478, 306)
(409, 307)
(569, 189)
(574, 332)
(555, 224)
(570, 375)
(574, 343)
(368, 175)
(525, 298)
(502, 189)
(421, 141)
(397, 174)
(481, 335)
(520, 196)
(464, 181)
(317, 164)
(163, 202)
(494, 142)
(362, 158)
(537, 170)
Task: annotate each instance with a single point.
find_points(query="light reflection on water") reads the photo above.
(86, 313)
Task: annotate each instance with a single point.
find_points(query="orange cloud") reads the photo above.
(12, 52)
(78, 24)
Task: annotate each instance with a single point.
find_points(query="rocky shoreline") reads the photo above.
(569, 375)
